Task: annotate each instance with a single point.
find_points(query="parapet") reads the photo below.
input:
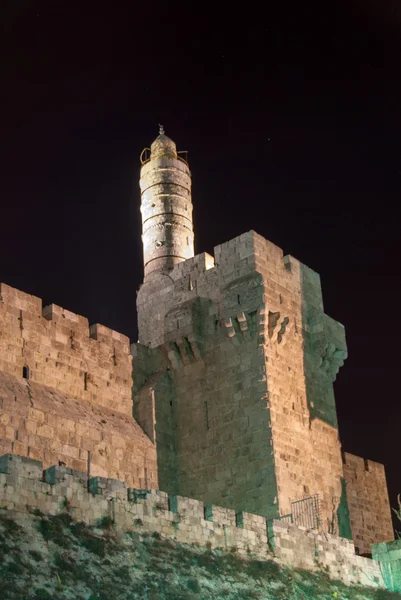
(368, 501)
(57, 348)
(24, 488)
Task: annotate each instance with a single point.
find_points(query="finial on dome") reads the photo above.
(161, 129)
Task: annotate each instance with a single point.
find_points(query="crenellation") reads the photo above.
(363, 479)
(59, 350)
(183, 519)
(16, 300)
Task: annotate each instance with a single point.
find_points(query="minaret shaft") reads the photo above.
(166, 207)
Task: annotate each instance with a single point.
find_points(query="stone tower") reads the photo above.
(166, 207)
(234, 369)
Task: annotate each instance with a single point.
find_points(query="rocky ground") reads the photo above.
(55, 558)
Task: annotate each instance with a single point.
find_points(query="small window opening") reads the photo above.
(238, 299)
(25, 372)
(85, 381)
(187, 241)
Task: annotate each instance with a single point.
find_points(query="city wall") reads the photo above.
(368, 502)
(66, 392)
(25, 487)
(57, 348)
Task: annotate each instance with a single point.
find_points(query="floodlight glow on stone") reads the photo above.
(166, 207)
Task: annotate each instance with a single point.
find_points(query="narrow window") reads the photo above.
(85, 381)
(238, 299)
(25, 372)
(187, 241)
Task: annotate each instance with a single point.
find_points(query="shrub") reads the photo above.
(105, 522)
(41, 594)
(52, 529)
(93, 543)
(68, 566)
(36, 555)
(11, 527)
(193, 585)
(122, 573)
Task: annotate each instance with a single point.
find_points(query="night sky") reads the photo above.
(292, 120)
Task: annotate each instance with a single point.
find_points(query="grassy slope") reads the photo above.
(53, 557)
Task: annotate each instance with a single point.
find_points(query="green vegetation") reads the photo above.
(36, 555)
(105, 523)
(45, 557)
(52, 529)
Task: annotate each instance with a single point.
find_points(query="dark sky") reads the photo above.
(292, 120)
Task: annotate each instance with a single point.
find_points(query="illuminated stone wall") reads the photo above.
(24, 487)
(368, 502)
(251, 359)
(61, 350)
(166, 207)
(65, 392)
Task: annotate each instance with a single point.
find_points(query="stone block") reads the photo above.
(111, 488)
(22, 466)
(220, 515)
(57, 474)
(186, 508)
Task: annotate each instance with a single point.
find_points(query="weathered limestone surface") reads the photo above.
(245, 344)
(305, 549)
(74, 404)
(368, 502)
(61, 351)
(186, 520)
(233, 383)
(166, 208)
(44, 424)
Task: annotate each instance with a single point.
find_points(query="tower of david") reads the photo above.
(226, 398)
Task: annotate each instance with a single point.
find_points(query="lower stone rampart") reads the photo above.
(25, 486)
(368, 502)
(310, 549)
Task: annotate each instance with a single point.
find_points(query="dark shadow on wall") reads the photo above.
(325, 350)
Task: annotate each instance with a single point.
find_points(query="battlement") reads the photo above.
(251, 359)
(58, 348)
(25, 487)
(368, 501)
(228, 277)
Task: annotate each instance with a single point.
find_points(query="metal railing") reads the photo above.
(145, 156)
(306, 512)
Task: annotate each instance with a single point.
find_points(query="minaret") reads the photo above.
(166, 206)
